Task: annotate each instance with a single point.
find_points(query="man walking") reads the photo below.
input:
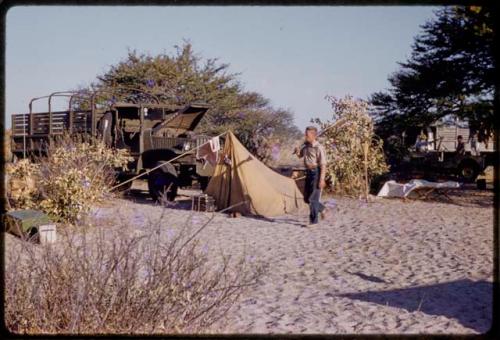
(314, 157)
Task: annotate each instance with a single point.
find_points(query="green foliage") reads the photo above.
(450, 72)
(185, 77)
(344, 136)
(75, 175)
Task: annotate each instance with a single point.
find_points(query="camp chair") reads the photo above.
(424, 193)
(416, 188)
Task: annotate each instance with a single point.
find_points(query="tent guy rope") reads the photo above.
(185, 153)
(163, 163)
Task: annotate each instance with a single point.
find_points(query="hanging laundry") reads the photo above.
(215, 144)
(209, 152)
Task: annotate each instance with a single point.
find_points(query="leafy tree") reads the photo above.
(185, 77)
(450, 73)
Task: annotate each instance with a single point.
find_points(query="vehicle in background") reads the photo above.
(435, 152)
(153, 133)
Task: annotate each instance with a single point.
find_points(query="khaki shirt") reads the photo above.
(314, 154)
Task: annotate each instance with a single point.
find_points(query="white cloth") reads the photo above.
(394, 189)
(215, 144)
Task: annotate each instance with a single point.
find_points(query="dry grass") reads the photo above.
(104, 280)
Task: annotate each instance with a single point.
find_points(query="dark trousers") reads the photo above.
(312, 194)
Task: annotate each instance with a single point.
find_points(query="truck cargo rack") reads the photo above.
(32, 131)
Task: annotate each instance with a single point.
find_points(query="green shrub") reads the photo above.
(76, 174)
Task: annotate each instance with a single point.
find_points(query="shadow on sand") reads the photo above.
(469, 302)
(184, 202)
(142, 197)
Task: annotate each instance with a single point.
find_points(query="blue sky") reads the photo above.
(292, 55)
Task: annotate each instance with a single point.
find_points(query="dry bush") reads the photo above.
(75, 174)
(122, 280)
(7, 149)
(21, 183)
(344, 145)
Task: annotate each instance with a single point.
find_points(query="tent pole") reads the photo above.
(365, 163)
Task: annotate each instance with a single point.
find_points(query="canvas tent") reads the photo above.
(239, 177)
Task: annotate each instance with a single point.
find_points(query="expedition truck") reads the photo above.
(153, 133)
(436, 153)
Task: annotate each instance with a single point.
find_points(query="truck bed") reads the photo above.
(30, 132)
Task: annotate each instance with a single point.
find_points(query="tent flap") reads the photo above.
(266, 192)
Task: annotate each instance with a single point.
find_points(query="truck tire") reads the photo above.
(468, 171)
(122, 189)
(162, 183)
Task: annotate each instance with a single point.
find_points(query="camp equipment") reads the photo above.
(202, 202)
(47, 233)
(30, 223)
(416, 188)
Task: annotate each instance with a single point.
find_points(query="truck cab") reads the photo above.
(154, 134)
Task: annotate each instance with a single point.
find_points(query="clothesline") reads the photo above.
(171, 160)
(163, 163)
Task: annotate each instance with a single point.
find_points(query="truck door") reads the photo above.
(129, 128)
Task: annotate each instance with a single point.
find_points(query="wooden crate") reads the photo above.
(203, 202)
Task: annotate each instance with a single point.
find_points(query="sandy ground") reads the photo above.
(383, 267)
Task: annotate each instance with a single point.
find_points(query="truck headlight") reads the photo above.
(186, 146)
